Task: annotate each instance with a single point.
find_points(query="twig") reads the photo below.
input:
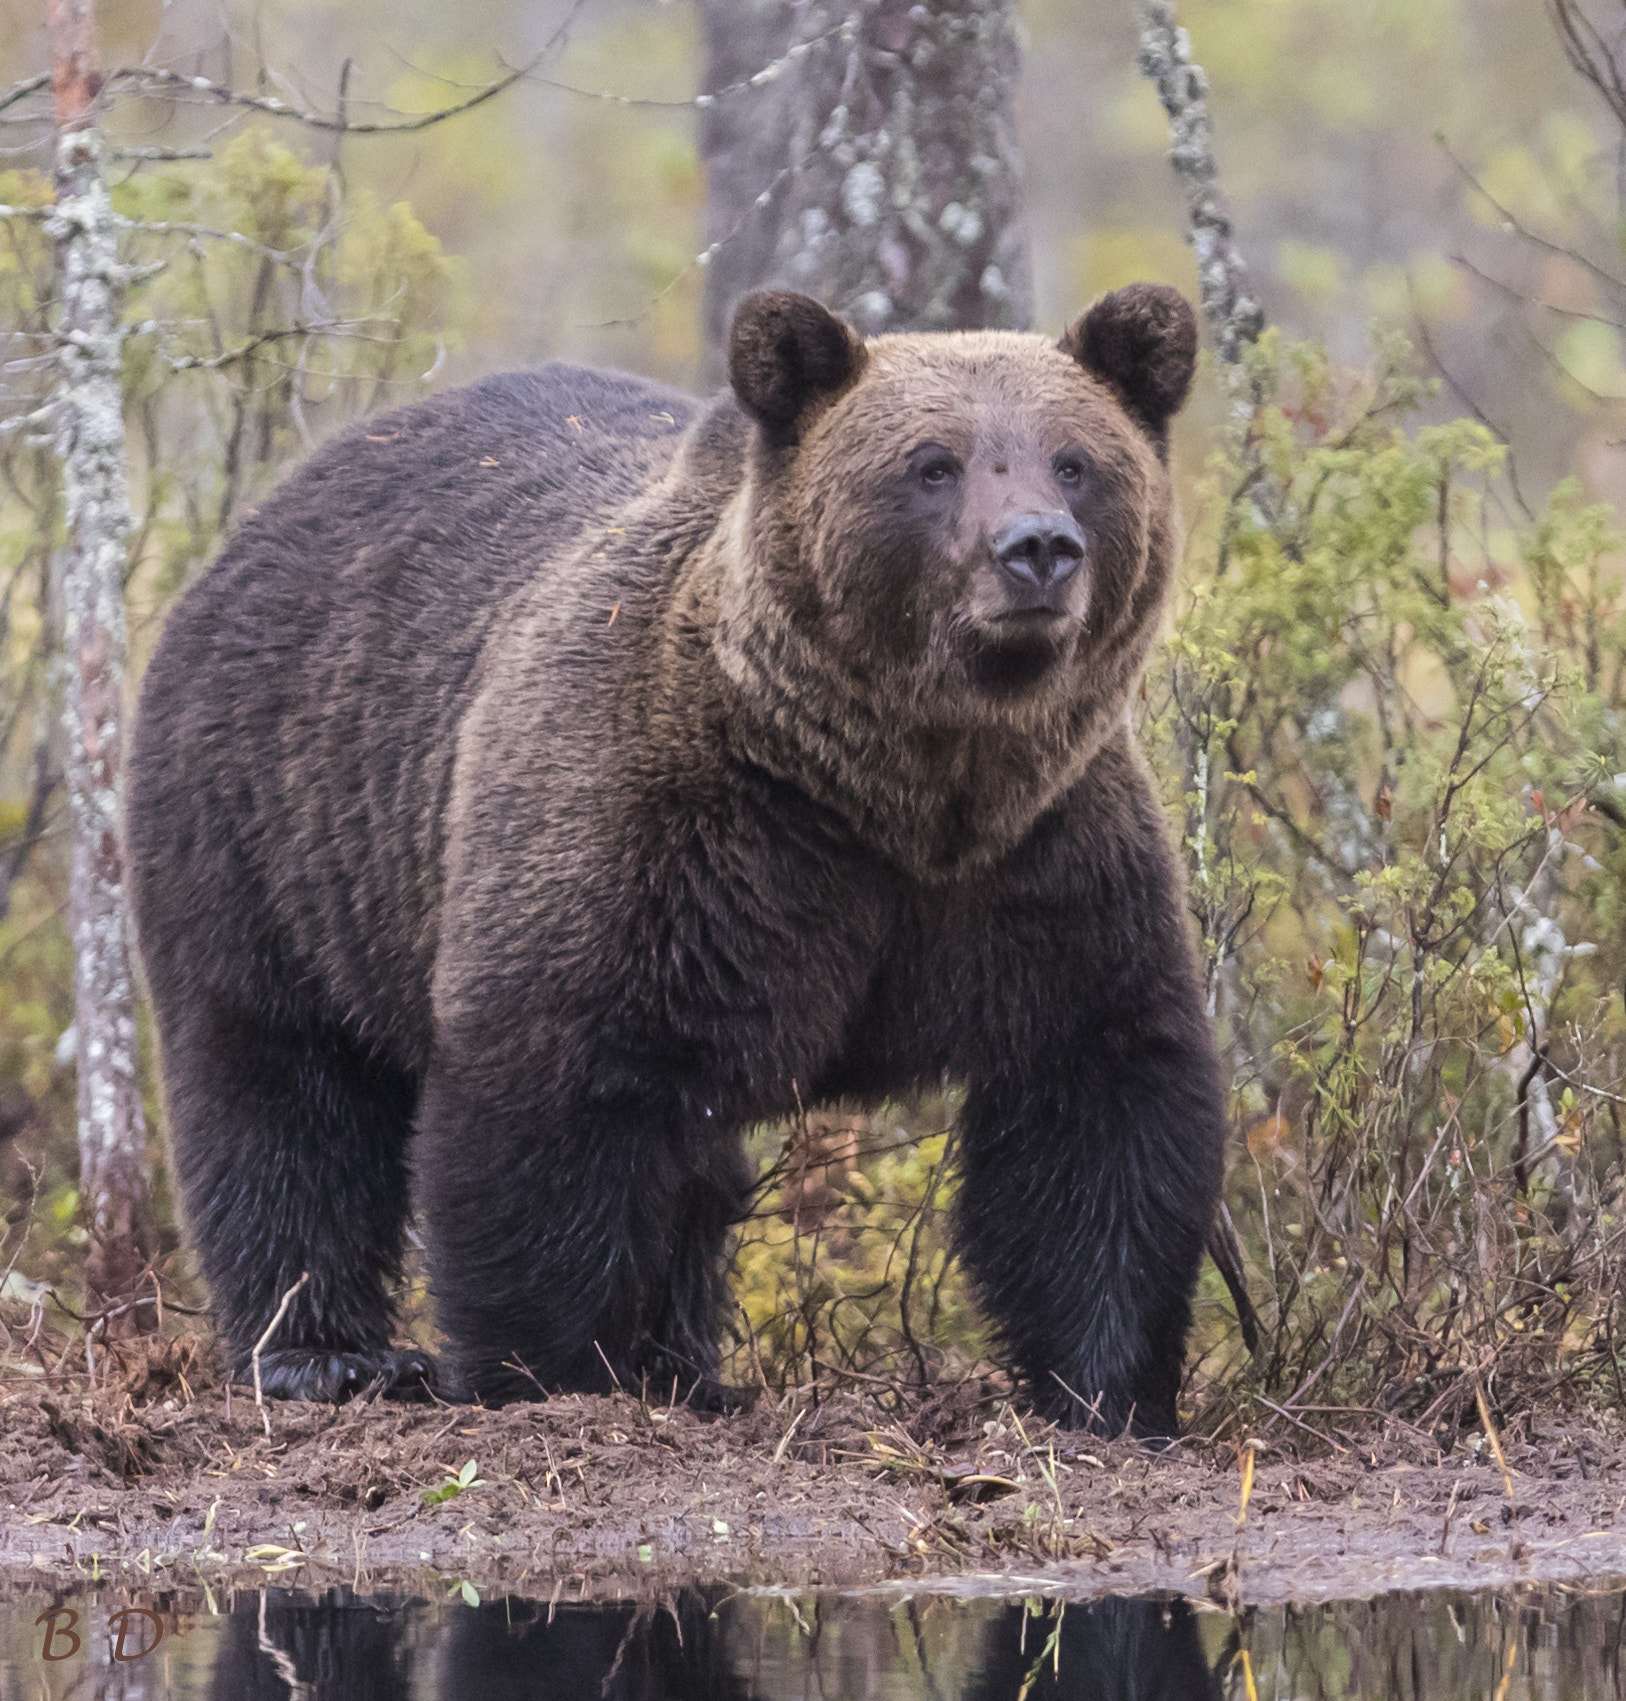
(259, 1347)
(1332, 1352)
(784, 1440)
(28, 86)
(1450, 1512)
(1521, 1145)
(146, 75)
(1308, 1429)
(1493, 1438)
(609, 1367)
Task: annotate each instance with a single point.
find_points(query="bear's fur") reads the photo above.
(572, 775)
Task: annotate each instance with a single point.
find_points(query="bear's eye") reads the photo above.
(934, 467)
(1069, 469)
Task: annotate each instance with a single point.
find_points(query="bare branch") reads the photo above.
(1614, 284)
(1234, 317)
(21, 91)
(149, 79)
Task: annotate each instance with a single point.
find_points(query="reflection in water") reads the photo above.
(721, 1643)
(717, 1645)
(700, 1649)
(1107, 1650)
(280, 1644)
(520, 1651)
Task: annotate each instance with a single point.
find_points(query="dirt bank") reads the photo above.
(609, 1494)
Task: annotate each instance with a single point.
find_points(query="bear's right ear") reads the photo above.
(784, 351)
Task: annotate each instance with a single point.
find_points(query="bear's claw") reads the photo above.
(718, 1399)
(309, 1373)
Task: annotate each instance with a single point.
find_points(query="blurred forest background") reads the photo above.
(1387, 713)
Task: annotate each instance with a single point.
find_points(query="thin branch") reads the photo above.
(260, 1346)
(1519, 228)
(147, 79)
(21, 91)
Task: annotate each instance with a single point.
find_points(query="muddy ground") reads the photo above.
(610, 1495)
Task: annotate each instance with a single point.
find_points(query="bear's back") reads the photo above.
(298, 720)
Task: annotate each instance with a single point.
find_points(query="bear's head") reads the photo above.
(964, 534)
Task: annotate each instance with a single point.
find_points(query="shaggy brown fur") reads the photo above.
(578, 776)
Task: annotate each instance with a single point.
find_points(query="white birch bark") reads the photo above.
(1234, 317)
(88, 428)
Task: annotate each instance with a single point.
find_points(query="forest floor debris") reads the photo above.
(611, 1495)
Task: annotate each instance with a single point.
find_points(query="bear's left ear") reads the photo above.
(1141, 340)
(784, 351)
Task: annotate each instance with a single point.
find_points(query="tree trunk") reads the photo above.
(88, 423)
(869, 160)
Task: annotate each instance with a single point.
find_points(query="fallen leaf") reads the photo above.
(1270, 1137)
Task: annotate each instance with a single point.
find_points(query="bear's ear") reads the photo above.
(783, 351)
(1143, 341)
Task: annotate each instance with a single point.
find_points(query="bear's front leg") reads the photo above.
(1094, 1123)
(1084, 1206)
(575, 1243)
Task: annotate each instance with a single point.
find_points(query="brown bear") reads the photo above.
(560, 776)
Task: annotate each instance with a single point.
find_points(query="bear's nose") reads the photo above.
(1040, 549)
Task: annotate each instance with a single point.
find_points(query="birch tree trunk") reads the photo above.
(1234, 317)
(88, 423)
(864, 151)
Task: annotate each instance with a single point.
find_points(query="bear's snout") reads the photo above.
(1040, 551)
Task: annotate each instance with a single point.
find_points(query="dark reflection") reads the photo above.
(722, 1643)
(283, 1643)
(712, 1644)
(522, 1651)
(1106, 1650)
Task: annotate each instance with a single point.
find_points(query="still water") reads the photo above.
(724, 1644)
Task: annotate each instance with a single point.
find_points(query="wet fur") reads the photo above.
(576, 812)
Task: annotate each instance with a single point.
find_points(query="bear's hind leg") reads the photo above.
(573, 1246)
(290, 1145)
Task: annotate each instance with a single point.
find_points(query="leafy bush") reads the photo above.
(1397, 800)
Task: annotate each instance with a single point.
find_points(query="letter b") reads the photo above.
(52, 1632)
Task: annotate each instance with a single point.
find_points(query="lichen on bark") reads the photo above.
(87, 417)
(1234, 317)
(875, 168)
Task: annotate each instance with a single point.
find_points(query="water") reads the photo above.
(724, 1644)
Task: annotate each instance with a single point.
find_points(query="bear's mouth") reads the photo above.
(1015, 650)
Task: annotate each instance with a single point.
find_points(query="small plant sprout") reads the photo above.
(454, 1485)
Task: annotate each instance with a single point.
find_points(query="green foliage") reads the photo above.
(1396, 798)
(845, 1265)
(452, 1487)
(284, 304)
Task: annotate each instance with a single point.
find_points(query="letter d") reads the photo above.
(119, 1624)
